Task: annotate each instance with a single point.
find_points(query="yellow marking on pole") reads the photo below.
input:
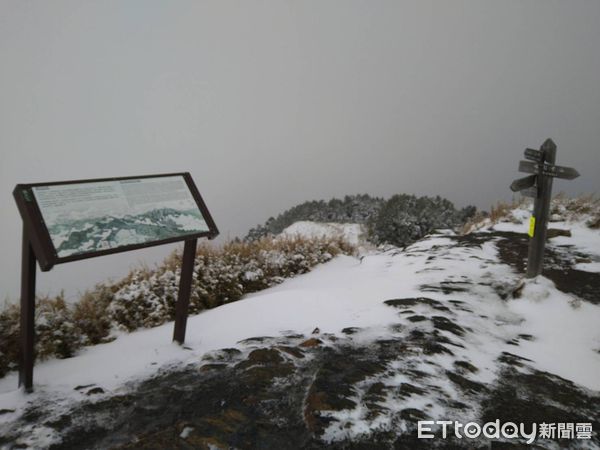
(531, 226)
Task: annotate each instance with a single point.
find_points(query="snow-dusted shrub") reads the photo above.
(399, 220)
(467, 213)
(350, 209)
(584, 207)
(55, 330)
(405, 218)
(217, 276)
(594, 222)
(56, 333)
(146, 298)
(221, 275)
(9, 338)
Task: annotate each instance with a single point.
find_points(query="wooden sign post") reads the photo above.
(540, 163)
(73, 220)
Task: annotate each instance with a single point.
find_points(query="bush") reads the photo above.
(352, 209)
(146, 298)
(594, 223)
(9, 338)
(584, 207)
(220, 276)
(56, 332)
(400, 220)
(404, 218)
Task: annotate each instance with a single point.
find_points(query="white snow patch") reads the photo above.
(566, 331)
(588, 267)
(189, 222)
(186, 432)
(352, 233)
(582, 238)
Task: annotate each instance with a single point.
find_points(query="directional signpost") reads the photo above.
(541, 164)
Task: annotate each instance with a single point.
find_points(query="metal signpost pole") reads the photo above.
(541, 211)
(541, 164)
(27, 330)
(185, 288)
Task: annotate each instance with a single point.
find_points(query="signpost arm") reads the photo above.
(541, 211)
(185, 287)
(28, 272)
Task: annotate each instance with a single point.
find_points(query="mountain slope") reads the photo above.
(350, 355)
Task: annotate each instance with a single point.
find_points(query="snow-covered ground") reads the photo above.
(353, 233)
(562, 332)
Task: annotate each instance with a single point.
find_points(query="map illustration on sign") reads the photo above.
(94, 216)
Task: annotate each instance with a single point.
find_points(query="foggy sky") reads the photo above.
(271, 103)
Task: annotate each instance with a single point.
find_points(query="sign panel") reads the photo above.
(533, 154)
(523, 183)
(87, 217)
(550, 170)
(568, 173)
(528, 167)
(92, 217)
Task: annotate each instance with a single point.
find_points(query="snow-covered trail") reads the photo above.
(463, 290)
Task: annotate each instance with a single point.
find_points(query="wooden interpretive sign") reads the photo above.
(73, 220)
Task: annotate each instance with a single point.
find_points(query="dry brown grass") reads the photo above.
(563, 207)
(471, 224)
(502, 210)
(594, 223)
(576, 208)
(581, 208)
(89, 313)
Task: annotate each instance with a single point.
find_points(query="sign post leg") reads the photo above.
(541, 211)
(27, 330)
(185, 287)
